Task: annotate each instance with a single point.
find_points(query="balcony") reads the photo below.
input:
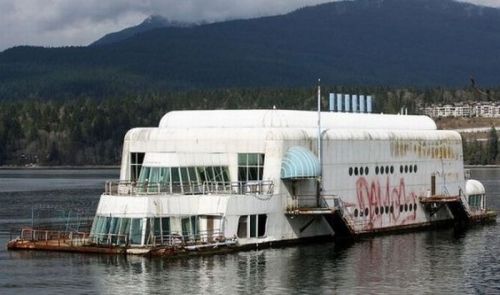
(127, 188)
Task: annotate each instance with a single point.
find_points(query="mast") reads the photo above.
(319, 143)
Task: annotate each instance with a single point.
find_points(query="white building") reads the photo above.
(255, 176)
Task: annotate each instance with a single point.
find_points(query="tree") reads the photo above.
(492, 145)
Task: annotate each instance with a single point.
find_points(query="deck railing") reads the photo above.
(71, 238)
(127, 188)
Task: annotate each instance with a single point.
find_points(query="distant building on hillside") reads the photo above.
(485, 109)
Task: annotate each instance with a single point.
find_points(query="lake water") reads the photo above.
(427, 262)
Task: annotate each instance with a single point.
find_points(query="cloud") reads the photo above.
(77, 22)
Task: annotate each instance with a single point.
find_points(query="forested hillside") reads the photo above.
(90, 132)
(363, 42)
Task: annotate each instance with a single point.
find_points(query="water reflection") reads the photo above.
(440, 261)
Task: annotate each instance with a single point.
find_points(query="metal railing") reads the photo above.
(127, 188)
(312, 201)
(66, 237)
(109, 239)
(176, 239)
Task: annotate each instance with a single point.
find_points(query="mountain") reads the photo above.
(150, 23)
(364, 42)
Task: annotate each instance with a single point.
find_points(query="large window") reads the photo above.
(256, 228)
(250, 167)
(475, 201)
(190, 227)
(118, 231)
(182, 179)
(136, 160)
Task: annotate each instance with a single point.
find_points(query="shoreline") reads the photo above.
(492, 166)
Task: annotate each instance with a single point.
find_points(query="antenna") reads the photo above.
(318, 190)
(319, 123)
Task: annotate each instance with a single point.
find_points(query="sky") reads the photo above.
(80, 22)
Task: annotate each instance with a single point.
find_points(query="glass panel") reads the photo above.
(154, 175)
(253, 226)
(242, 174)
(140, 158)
(165, 225)
(113, 229)
(184, 176)
(157, 228)
(253, 160)
(186, 227)
(242, 227)
(144, 174)
(201, 172)
(192, 175)
(253, 173)
(136, 231)
(242, 159)
(262, 225)
(176, 179)
(261, 159)
(210, 173)
(218, 174)
(124, 226)
(225, 174)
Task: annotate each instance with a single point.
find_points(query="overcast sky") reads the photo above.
(80, 22)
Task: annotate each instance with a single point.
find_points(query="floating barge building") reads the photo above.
(225, 179)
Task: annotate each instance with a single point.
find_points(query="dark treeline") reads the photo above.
(84, 131)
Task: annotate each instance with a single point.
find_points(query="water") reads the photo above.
(437, 262)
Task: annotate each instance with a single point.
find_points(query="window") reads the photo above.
(250, 167)
(415, 168)
(392, 169)
(411, 169)
(355, 212)
(367, 170)
(242, 227)
(361, 170)
(386, 169)
(376, 210)
(386, 209)
(406, 207)
(392, 209)
(256, 228)
(136, 160)
(350, 171)
(406, 168)
(414, 206)
(136, 231)
(190, 227)
(376, 170)
(366, 211)
(475, 201)
(400, 208)
(400, 168)
(261, 223)
(381, 170)
(182, 179)
(356, 171)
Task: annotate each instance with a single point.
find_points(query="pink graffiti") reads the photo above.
(374, 195)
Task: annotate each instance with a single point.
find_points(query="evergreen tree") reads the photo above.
(493, 145)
